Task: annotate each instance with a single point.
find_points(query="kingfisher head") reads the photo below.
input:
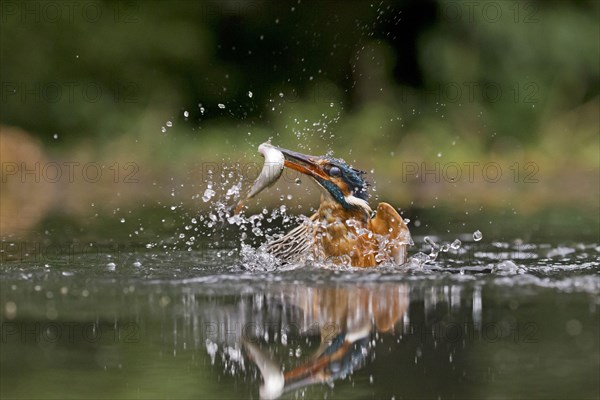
(341, 182)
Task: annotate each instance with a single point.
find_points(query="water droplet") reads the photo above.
(55, 136)
(221, 106)
(477, 236)
(250, 94)
(455, 245)
(169, 124)
(163, 129)
(208, 194)
(186, 114)
(430, 242)
(122, 220)
(298, 181)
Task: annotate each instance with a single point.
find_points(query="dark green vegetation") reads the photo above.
(490, 103)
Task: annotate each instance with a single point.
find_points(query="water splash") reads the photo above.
(208, 193)
(455, 245)
(421, 260)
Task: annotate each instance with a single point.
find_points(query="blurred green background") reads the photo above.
(461, 106)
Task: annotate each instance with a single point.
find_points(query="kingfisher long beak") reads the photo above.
(303, 163)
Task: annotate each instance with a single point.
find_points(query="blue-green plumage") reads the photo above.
(352, 177)
(335, 192)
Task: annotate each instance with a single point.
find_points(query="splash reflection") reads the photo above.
(288, 337)
(424, 336)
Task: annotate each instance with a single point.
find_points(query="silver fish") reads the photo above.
(272, 375)
(271, 171)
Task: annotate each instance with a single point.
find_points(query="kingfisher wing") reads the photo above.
(296, 244)
(387, 222)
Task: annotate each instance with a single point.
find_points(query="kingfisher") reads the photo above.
(345, 229)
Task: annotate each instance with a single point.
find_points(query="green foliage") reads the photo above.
(171, 82)
(537, 59)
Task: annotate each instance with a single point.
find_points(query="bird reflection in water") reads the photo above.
(343, 319)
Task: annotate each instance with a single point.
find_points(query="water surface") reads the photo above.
(490, 319)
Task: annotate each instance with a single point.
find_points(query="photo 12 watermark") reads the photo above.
(70, 11)
(76, 253)
(68, 92)
(470, 332)
(107, 255)
(69, 332)
(490, 332)
(475, 92)
(491, 12)
(469, 171)
(257, 331)
(68, 172)
(419, 171)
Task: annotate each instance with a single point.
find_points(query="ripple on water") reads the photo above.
(566, 268)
